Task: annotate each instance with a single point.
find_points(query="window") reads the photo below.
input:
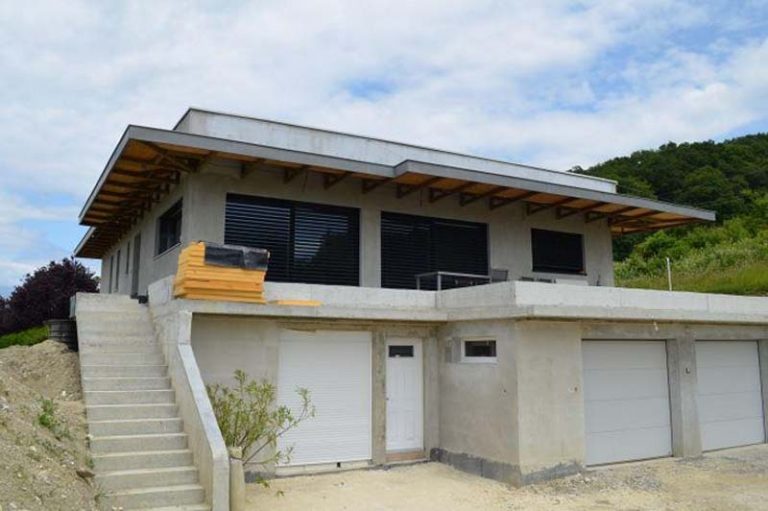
(479, 351)
(311, 243)
(557, 252)
(169, 229)
(127, 258)
(411, 245)
(401, 351)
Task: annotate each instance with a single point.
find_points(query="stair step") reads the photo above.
(127, 383)
(193, 507)
(105, 358)
(142, 460)
(119, 344)
(95, 371)
(132, 411)
(146, 478)
(138, 443)
(134, 427)
(125, 397)
(156, 496)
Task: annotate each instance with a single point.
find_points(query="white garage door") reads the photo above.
(336, 368)
(729, 397)
(626, 401)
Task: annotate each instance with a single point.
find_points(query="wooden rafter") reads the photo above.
(498, 202)
(404, 190)
(330, 180)
(291, 174)
(469, 198)
(369, 185)
(627, 219)
(168, 176)
(593, 216)
(532, 209)
(563, 212)
(166, 155)
(436, 194)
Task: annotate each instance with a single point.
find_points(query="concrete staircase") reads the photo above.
(138, 445)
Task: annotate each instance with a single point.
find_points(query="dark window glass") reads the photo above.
(479, 348)
(411, 245)
(169, 228)
(117, 272)
(557, 252)
(127, 257)
(310, 243)
(396, 351)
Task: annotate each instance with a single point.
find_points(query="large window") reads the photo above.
(557, 252)
(169, 229)
(311, 243)
(411, 245)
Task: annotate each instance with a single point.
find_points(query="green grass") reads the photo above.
(26, 337)
(748, 279)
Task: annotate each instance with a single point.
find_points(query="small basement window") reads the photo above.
(479, 351)
(401, 351)
(557, 252)
(169, 229)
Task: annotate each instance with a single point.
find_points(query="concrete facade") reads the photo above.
(519, 418)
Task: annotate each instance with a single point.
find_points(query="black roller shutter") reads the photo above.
(415, 244)
(557, 252)
(309, 243)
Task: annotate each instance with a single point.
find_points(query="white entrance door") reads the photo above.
(729, 397)
(405, 403)
(626, 401)
(336, 368)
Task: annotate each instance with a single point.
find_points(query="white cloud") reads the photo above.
(551, 83)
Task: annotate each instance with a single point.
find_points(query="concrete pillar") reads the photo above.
(431, 354)
(379, 398)
(681, 364)
(370, 247)
(762, 347)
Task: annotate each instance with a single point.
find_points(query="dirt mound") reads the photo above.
(38, 462)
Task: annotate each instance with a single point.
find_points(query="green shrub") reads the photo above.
(26, 337)
(250, 419)
(48, 419)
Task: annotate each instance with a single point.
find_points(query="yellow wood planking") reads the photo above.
(196, 280)
(300, 303)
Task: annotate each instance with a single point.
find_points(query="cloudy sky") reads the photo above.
(548, 83)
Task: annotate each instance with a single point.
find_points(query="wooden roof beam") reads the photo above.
(563, 212)
(330, 180)
(166, 155)
(291, 174)
(532, 209)
(404, 190)
(627, 219)
(592, 216)
(369, 185)
(436, 194)
(497, 202)
(469, 198)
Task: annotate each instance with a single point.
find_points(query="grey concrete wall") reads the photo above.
(478, 401)
(509, 226)
(152, 266)
(681, 364)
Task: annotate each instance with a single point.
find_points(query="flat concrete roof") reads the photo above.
(362, 148)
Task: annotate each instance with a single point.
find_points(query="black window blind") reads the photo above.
(411, 245)
(310, 243)
(557, 252)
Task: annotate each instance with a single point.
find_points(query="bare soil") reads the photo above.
(735, 479)
(38, 464)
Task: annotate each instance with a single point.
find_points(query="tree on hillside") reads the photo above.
(44, 294)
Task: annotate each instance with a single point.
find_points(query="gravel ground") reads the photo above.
(38, 464)
(735, 479)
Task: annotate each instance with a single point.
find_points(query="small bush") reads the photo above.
(47, 418)
(26, 337)
(249, 418)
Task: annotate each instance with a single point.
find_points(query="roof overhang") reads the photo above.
(148, 162)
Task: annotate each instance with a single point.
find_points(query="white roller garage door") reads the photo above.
(626, 401)
(336, 368)
(729, 397)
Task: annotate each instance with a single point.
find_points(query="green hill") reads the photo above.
(730, 177)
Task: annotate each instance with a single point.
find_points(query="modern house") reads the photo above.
(467, 310)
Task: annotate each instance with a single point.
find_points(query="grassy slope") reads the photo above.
(26, 337)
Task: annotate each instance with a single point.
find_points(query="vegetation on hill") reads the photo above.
(730, 177)
(26, 337)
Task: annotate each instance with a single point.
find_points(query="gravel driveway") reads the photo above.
(735, 479)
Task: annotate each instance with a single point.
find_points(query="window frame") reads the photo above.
(470, 359)
(159, 250)
(553, 270)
